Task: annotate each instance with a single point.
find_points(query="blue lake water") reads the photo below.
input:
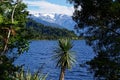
(40, 55)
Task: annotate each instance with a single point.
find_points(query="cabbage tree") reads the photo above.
(64, 56)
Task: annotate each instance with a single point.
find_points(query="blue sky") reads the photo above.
(49, 6)
(60, 2)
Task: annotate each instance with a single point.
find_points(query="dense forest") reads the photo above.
(39, 31)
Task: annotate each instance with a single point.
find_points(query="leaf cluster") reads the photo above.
(16, 40)
(63, 55)
(100, 20)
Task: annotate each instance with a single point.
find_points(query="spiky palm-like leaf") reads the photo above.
(64, 56)
(28, 76)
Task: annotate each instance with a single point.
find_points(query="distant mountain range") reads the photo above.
(56, 20)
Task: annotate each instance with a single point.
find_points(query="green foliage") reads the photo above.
(15, 40)
(7, 69)
(65, 58)
(103, 65)
(9, 72)
(39, 31)
(101, 19)
(28, 76)
(1, 19)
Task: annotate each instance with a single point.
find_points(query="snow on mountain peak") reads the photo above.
(50, 15)
(36, 14)
(60, 19)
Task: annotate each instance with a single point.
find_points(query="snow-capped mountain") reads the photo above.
(56, 20)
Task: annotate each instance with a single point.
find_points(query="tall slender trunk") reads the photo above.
(62, 74)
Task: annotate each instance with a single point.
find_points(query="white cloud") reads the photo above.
(46, 7)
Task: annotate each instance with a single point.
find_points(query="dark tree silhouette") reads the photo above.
(100, 20)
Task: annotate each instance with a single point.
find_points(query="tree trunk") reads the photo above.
(6, 42)
(9, 31)
(62, 74)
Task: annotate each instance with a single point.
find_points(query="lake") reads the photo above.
(40, 55)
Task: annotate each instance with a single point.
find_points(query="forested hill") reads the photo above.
(39, 31)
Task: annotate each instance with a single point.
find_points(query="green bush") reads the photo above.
(28, 76)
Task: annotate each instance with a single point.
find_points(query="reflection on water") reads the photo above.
(40, 54)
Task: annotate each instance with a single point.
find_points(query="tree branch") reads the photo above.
(9, 30)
